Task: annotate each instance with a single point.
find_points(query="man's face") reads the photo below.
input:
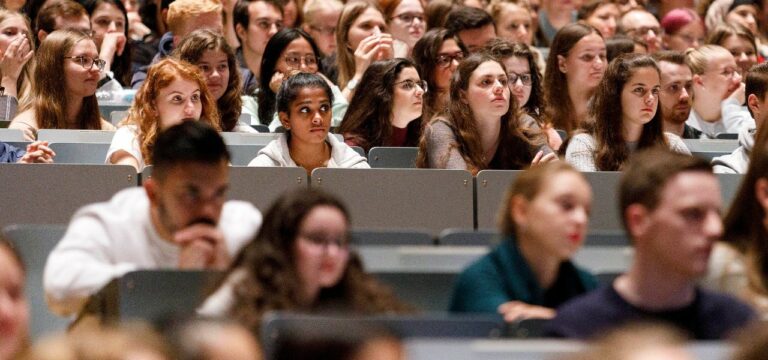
(188, 193)
(643, 26)
(80, 24)
(264, 20)
(678, 235)
(675, 95)
(475, 39)
(210, 21)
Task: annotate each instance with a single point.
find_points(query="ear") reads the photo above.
(637, 219)
(41, 34)
(761, 193)
(176, 41)
(697, 80)
(241, 33)
(754, 105)
(150, 186)
(463, 97)
(518, 210)
(283, 116)
(561, 64)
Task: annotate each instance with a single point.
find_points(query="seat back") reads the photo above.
(262, 185)
(80, 153)
(243, 154)
(393, 157)
(75, 136)
(11, 135)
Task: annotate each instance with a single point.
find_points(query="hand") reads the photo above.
(553, 138)
(202, 247)
(540, 158)
(228, 6)
(15, 57)
(374, 47)
(113, 44)
(278, 77)
(739, 94)
(38, 152)
(518, 310)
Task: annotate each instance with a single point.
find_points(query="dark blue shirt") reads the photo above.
(10, 153)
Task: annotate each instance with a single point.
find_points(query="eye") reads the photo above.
(487, 82)
(655, 91)
(223, 67)
(304, 110)
(674, 88)
(325, 108)
(694, 215)
(204, 67)
(196, 97)
(638, 90)
(503, 81)
(177, 99)
(587, 57)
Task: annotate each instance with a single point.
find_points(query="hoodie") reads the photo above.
(164, 48)
(737, 162)
(276, 153)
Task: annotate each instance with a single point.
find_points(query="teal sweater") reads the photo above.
(504, 275)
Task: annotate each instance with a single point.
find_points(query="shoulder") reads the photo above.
(723, 307)
(239, 221)
(344, 156)
(439, 128)
(25, 119)
(106, 125)
(587, 315)
(676, 144)
(582, 140)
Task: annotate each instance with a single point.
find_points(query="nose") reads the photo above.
(684, 95)
(743, 57)
(112, 27)
(522, 30)
(317, 119)
(714, 225)
(736, 77)
(273, 29)
(581, 216)
(189, 108)
(416, 21)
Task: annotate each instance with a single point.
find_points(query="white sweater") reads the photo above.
(277, 153)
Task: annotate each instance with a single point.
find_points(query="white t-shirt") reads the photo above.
(106, 240)
(126, 139)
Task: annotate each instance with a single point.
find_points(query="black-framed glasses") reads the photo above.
(294, 60)
(409, 17)
(445, 60)
(409, 85)
(320, 241)
(87, 62)
(525, 79)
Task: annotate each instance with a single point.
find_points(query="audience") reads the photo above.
(670, 207)
(64, 95)
(436, 56)
(16, 64)
(320, 19)
(739, 42)
(299, 260)
(473, 26)
(676, 94)
(109, 22)
(180, 218)
(256, 21)
(405, 19)
(603, 15)
(544, 221)
(14, 307)
(388, 112)
(174, 92)
(304, 108)
(683, 29)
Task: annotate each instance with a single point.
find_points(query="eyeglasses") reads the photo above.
(318, 240)
(643, 30)
(294, 60)
(323, 30)
(445, 60)
(409, 85)
(87, 62)
(409, 17)
(525, 79)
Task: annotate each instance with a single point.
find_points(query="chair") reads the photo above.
(728, 136)
(51, 193)
(729, 185)
(401, 199)
(34, 243)
(106, 110)
(427, 291)
(243, 154)
(464, 237)
(261, 128)
(709, 149)
(4, 124)
(360, 151)
(117, 116)
(262, 185)
(526, 329)
(80, 153)
(75, 136)
(12, 135)
(491, 187)
(607, 238)
(236, 138)
(393, 157)
(391, 238)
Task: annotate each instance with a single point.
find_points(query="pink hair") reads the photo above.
(677, 18)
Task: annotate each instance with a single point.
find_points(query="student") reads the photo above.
(737, 162)
(675, 97)
(304, 107)
(603, 15)
(16, 49)
(513, 21)
(388, 112)
(210, 52)
(256, 21)
(109, 22)
(300, 260)
(14, 316)
(554, 16)
(670, 206)
(683, 29)
(544, 220)
(406, 22)
(641, 25)
(575, 66)
(738, 41)
(472, 25)
(718, 92)
(64, 96)
(178, 219)
(61, 15)
(320, 19)
(625, 117)
(436, 55)
(481, 130)
(174, 92)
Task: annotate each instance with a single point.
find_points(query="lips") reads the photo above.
(647, 110)
(575, 238)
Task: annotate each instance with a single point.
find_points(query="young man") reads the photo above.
(256, 21)
(473, 26)
(737, 162)
(642, 26)
(62, 15)
(675, 95)
(179, 219)
(670, 205)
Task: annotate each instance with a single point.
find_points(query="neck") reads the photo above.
(74, 104)
(252, 60)
(579, 100)
(649, 287)
(631, 132)
(675, 128)
(708, 110)
(154, 216)
(309, 156)
(545, 267)
(489, 133)
(400, 121)
(442, 101)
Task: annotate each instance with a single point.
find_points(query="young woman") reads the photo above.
(603, 15)
(388, 112)
(513, 20)
(525, 83)
(289, 51)
(301, 261)
(406, 22)
(739, 42)
(544, 222)
(174, 91)
(109, 21)
(210, 52)
(718, 92)
(575, 66)
(625, 117)
(66, 78)
(15, 62)
(304, 107)
(361, 39)
(436, 56)
(14, 317)
(683, 29)
(481, 130)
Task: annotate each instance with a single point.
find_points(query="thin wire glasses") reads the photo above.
(87, 62)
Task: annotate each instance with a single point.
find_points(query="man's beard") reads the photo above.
(677, 117)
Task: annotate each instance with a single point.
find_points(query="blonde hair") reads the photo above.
(698, 59)
(345, 56)
(312, 7)
(181, 11)
(24, 83)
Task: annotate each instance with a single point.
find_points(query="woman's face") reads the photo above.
(519, 68)
(106, 18)
(298, 55)
(447, 62)
(290, 14)
(585, 64)
(321, 249)
(742, 50)
(555, 221)
(368, 23)
(14, 310)
(407, 95)
(640, 97)
(605, 18)
(11, 29)
(744, 15)
(407, 23)
(215, 68)
(488, 91)
(720, 79)
(309, 119)
(688, 36)
(180, 101)
(81, 82)
(515, 24)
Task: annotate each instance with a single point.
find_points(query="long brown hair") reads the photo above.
(271, 281)
(143, 112)
(345, 57)
(606, 112)
(425, 53)
(50, 100)
(192, 48)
